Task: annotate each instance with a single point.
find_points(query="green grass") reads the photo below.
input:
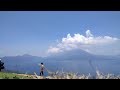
(59, 75)
(4, 75)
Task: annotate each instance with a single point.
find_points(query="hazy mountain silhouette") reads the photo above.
(78, 58)
(71, 55)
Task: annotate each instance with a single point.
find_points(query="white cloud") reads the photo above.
(88, 33)
(81, 42)
(54, 50)
(87, 50)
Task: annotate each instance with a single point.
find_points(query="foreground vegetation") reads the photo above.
(66, 75)
(58, 75)
(4, 75)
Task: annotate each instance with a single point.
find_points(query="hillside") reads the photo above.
(4, 75)
(58, 75)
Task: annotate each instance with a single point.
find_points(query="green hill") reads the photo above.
(4, 75)
(58, 75)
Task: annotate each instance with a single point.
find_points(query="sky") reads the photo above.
(39, 33)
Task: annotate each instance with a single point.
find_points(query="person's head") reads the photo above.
(42, 63)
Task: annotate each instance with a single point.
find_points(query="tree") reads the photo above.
(1, 65)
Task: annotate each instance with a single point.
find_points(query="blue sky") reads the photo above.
(33, 32)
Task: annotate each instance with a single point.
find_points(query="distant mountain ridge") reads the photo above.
(28, 63)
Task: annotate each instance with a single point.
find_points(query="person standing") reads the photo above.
(41, 69)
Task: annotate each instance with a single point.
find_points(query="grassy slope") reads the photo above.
(58, 75)
(4, 75)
